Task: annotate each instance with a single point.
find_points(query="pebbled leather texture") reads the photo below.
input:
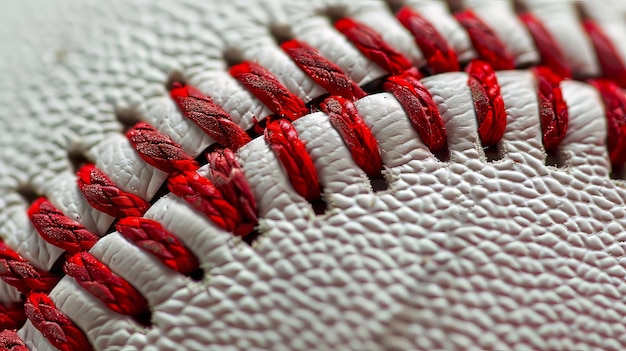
(463, 254)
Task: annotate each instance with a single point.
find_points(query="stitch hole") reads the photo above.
(455, 5)
(319, 206)
(196, 275)
(27, 193)
(251, 237)
(492, 153)
(395, 5)
(334, 13)
(175, 77)
(77, 160)
(281, 33)
(144, 319)
(554, 159)
(519, 7)
(379, 184)
(618, 172)
(128, 117)
(232, 56)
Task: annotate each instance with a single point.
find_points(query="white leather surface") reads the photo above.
(456, 255)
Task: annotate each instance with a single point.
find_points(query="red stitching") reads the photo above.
(153, 238)
(615, 109)
(211, 118)
(552, 107)
(550, 52)
(485, 41)
(421, 109)
(226, 198)
(262, 84)
(488, 103)
(227, 175)
(21, 274)
(440, 56)
(282, 137)
(372, 45)
(202, 195)
(95, 277)
(57, 229)
(12, 316)
(160, 150)
(10, 341)
(103, 195)
(54, 325)
(359, 139)
(322, 71)
(613, 65)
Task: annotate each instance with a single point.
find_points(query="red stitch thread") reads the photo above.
(227, 175)
(202, 195)
(152, 237)
(160, 150)
(11, 316)
(103, 195)
(322, 71)
(10, 341)
(55, 228)
(615, 108)
(551, 54)
(552, 107)
(211, 118)
(21, 274)
(420, 108)
(60, 331)
(488, 103)
(282, 138)
(372, 45)
(612, 63)
(95, 277)
(485, 41)
(262, 84)
(363, 146)
(440, 56)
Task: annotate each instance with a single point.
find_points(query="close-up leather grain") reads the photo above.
(489, 241)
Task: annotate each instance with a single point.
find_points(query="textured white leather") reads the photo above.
(457, 255)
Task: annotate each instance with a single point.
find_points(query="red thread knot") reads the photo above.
(485, 41)
(60, 331)
(211, 118)
(282, 138)
(153, 238)
(438, 53)
(488, 102)
(612, 62)
(549, 50)
(160, 150)
(57, 229)
(372, 45)
(262, 84)
(10, 341)
(227, 175)
(420, 108)
(95, 277)
(11, 316)
(322, 71)
(615, 109)
(553, 110)
(21, 274)
(203, 195)
(105, 196)
(359, 139)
